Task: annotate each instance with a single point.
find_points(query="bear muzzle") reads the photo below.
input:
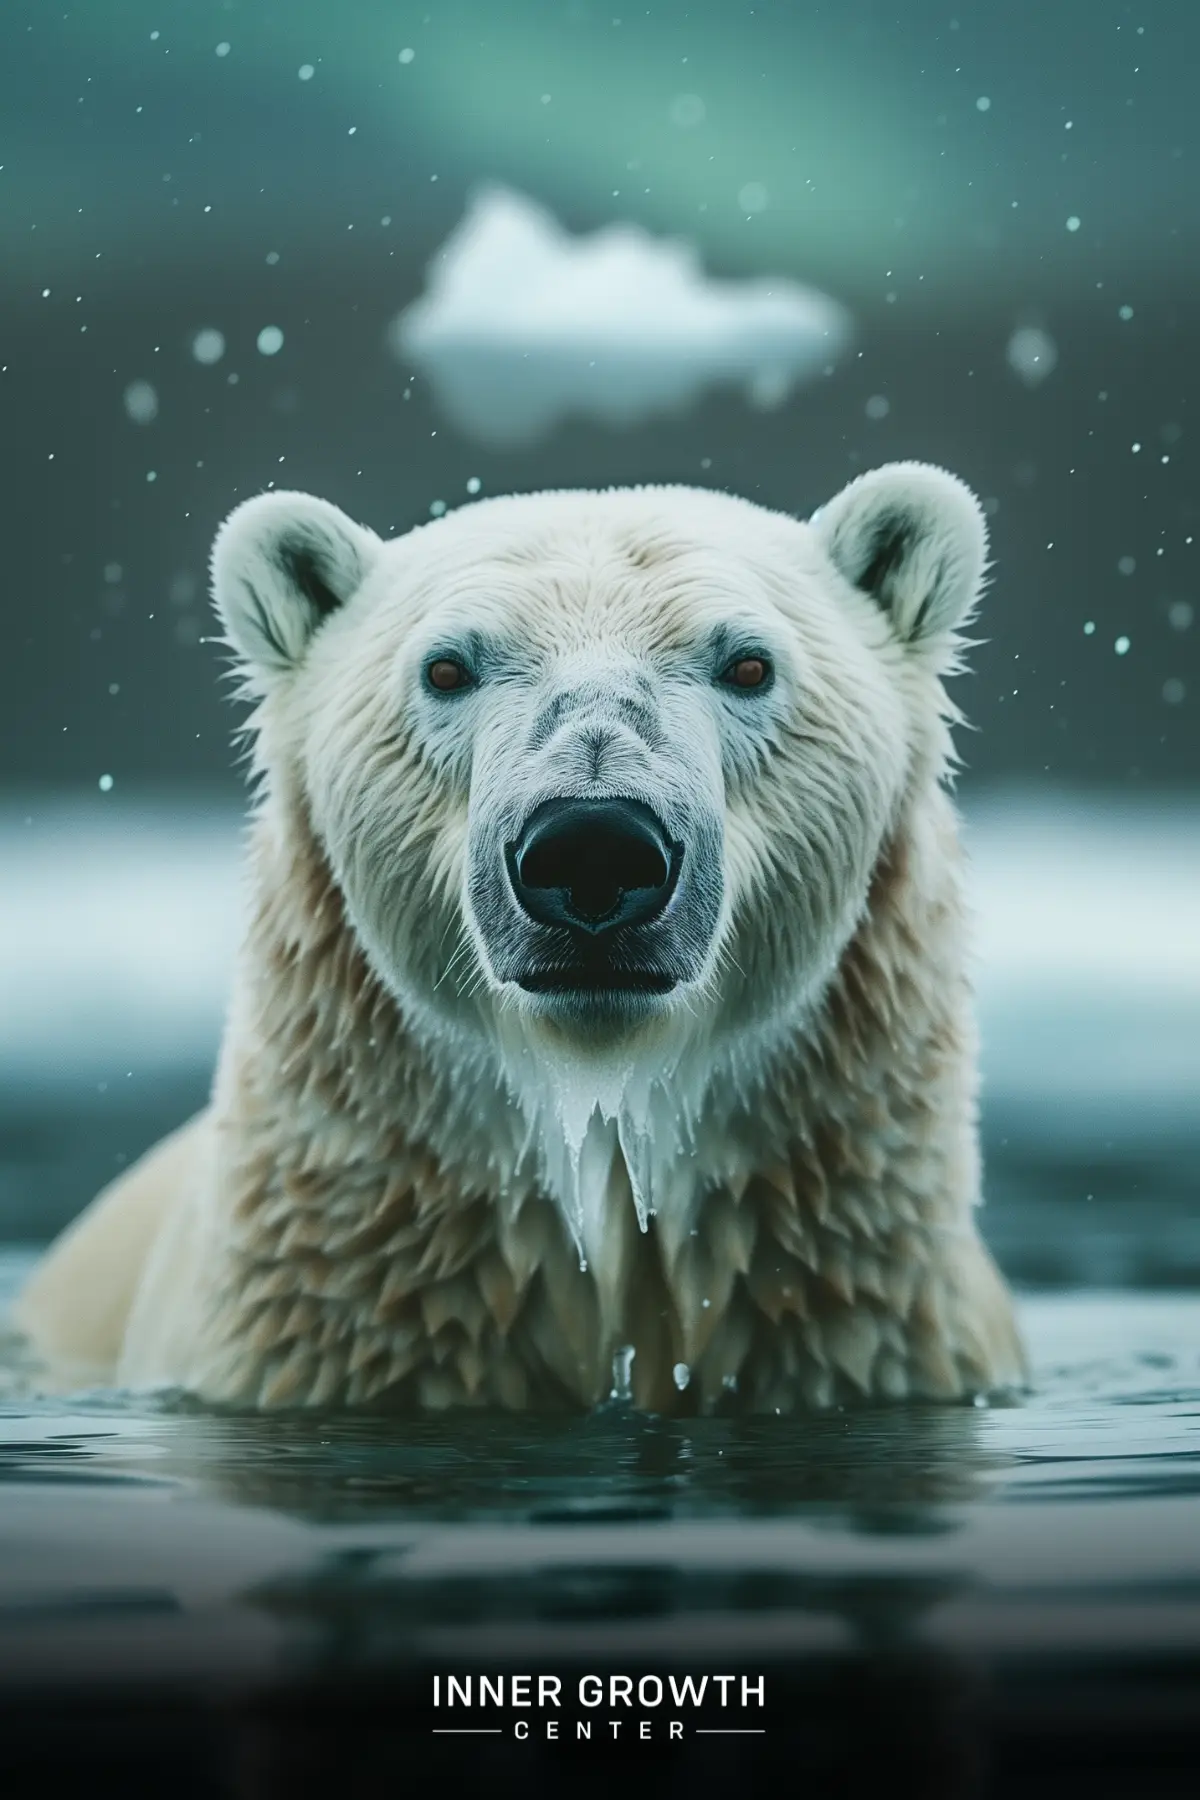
(595, 871)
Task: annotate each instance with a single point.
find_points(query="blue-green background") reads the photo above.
(146, 179)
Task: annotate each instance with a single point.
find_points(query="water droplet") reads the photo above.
(105, 784)
(306, 71)
(729, 1383)
(1121, 646)
(983, 104)
(681, 1375)
(406, 56)
(270, 340)
(622, 1370)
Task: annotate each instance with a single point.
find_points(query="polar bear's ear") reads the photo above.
(912, 537)
(281, 564)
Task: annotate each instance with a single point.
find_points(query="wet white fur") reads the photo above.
(332, 627)
(657, 1095)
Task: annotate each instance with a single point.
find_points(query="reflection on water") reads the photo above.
(614, 1466)
(922, 1590)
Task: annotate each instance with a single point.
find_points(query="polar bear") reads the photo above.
(604, 1000)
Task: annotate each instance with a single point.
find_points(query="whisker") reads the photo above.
(461, 949)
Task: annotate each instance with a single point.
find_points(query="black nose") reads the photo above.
(593, 864)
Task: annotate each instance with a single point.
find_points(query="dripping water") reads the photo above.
(622, 1371)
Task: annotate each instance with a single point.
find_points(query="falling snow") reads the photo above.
(1032, 355)
(208, 346)
(140, 401)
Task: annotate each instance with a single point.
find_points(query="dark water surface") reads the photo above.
(1042, 1553)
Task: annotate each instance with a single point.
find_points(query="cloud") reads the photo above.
(522, 325)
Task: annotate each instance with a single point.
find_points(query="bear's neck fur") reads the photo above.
(363, 1261)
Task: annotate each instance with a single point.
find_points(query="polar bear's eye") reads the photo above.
(747, 672)
(448, 676)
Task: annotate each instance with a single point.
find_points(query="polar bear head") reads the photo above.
(610, 771)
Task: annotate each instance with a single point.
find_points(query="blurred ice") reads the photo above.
(119, 922)
(522, 325)
(118, 926)
(1089, 962)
